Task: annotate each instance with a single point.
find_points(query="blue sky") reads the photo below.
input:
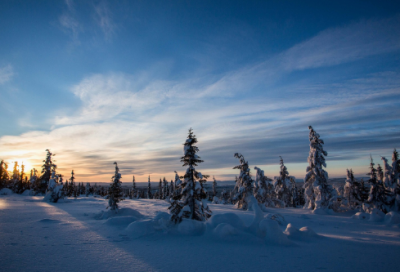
(104, 81)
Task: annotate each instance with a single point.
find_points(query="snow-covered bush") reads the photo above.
(190, 202)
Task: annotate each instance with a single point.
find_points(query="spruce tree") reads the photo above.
(378, 194)
(3, 174)
(317, 190)
(160, 195)
(87, 189)
(165, 189)
(149, 194)
(190, 202)
(47, 169)
(115, 190)
(134, 191)
(352, 191)
(263, 192)
(281, 184)
(245, 184)
(54, 189)
(214, 187)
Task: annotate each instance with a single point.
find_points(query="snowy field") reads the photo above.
(74, 235)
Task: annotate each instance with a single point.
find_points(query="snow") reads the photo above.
(6, 191)
(81, 235)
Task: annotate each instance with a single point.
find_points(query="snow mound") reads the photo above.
(308, 232)
(376, 216)
(303, 216)
(225, 230)
(228, 218)
(141, 228)
(278, 218)
(120, 220)
(392, 218)
(121, 212)
(6, 191)
(49, 221)
(361, 216)
(28, 193)
(273, 233)
(191, 227)
(319, 211)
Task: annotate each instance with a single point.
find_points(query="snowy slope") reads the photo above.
(75, 235)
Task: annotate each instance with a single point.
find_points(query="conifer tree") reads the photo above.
(281, 184)
(115, 190)
(190, 202)
(87, 189)
(177, 184)
(3, 175)
(245, 184)
(214, 187)
(351, 192)
(71, 189)
(317, 190)
(54, 189)
(47, 169)
(165, 189)
(159, 196)
(263, 192)
(378, 194)
(171, 189)
(149, 194)
(134, 191)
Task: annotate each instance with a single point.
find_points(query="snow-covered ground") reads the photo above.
(74, 235)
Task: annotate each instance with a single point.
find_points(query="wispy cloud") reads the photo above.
(6, 73)
(69, 21)
(344, 44)
(103, 17)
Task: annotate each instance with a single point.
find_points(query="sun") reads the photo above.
(27, 165)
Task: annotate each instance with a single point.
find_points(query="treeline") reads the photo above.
(189, 198)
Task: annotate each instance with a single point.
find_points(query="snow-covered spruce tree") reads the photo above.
(115, 190)
(262, 194)
(165, 189)
(134, 191)
(149, 194)
(171, 189)
(282, 185)
(317, 190)
(47, 168)
(190, 202)
(160, 196)
(244, 194)
(351, 194)
(395, 176)
(87, 189)
(214, 188)
(378, 194)
(3, 175)
(54, 189)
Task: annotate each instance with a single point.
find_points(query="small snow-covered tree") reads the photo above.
(149, 194)
(165, 189)
(87, 189)
(3, 174)
(190, 202)
(159, 193)
(263, 192)
(395, 177)
(214, 191)
(282, 185)
(351, 191)
(134, 191)
(378, 195)
(54, 190)
(171, 188)
(47, 169)
(244, 194)
(115, 190)
(317, 190)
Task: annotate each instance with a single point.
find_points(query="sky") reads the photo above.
(103, 81)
